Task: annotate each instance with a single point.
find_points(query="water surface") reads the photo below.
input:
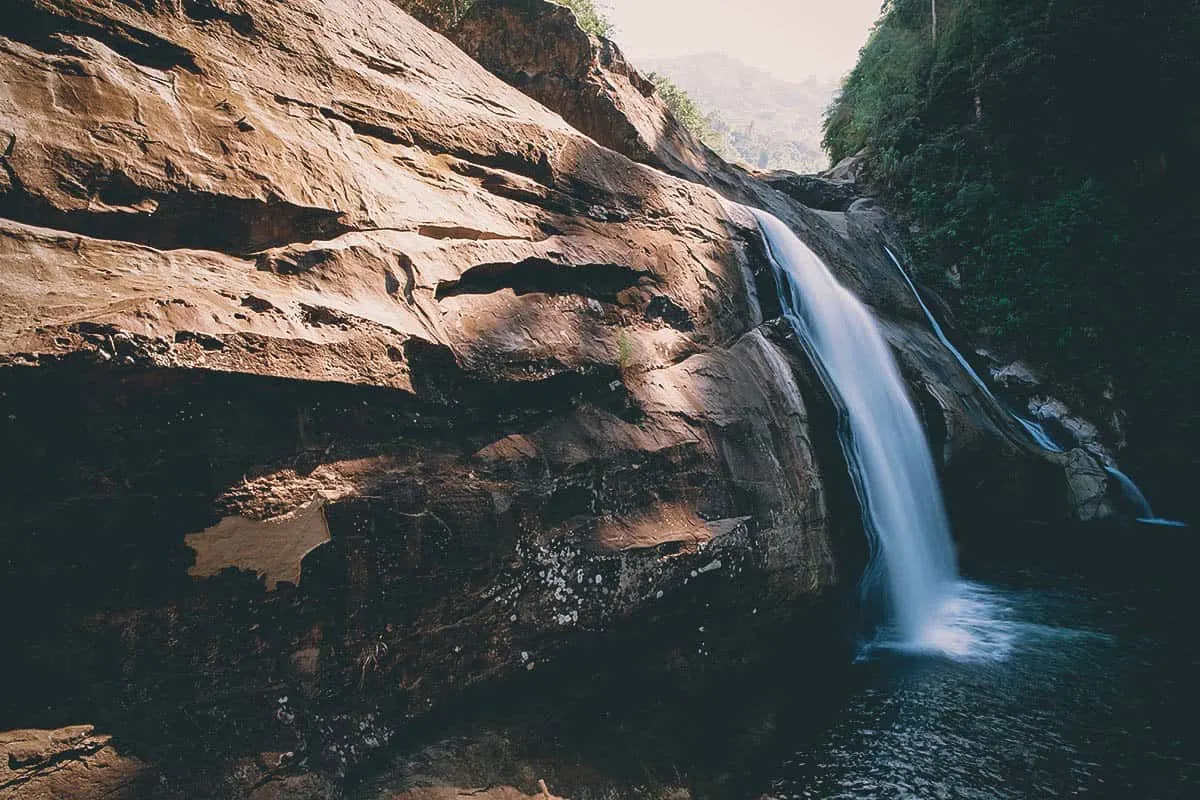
(1081, 686)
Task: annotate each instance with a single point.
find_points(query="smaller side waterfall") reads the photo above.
(1145, 514)
(1036, 432)
(1133, 493)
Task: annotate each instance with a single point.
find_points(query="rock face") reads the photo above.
(342, 377)
(537, 47)
(992, 469)
(338, 377)
(815, 191)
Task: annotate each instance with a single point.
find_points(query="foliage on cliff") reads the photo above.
(1044, 148)
(765, 122)
(444, 14)
(688, 114)
(590, 17)
(440, 15)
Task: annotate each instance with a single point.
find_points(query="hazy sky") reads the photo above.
(791, 38)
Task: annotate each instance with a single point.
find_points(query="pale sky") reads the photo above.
(790, 38)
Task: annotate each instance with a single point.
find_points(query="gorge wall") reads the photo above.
(338, 378)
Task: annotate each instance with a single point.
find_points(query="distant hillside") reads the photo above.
(768, 123)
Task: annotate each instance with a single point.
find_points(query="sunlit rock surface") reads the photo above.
(993, 472)
(67, 762)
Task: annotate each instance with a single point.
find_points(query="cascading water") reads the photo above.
(1036, 432)
(1145, 514)
(884, 443)
(1139, 501)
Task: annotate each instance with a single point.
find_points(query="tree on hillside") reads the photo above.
(687, 113)
(1042, 149)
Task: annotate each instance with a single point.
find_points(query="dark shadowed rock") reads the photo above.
(815, 191)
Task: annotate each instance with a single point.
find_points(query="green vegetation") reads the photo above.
(444, 14)
(1044, 148)
(441, 15)
(688, 114)
(591, 18)
(624, 351)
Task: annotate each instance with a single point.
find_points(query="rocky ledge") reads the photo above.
(340, 379)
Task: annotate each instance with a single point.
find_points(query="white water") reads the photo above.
(1035, 431)
(1145, 513)
(1038, 433)
(884, 443)
(1140, 503)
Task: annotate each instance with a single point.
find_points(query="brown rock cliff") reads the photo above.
(340, 376)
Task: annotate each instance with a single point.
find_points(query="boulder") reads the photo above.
(849, 169)
(1015, 377)
(815, 191)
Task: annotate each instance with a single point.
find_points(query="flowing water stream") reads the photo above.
(1035, 431)
(1145, 514)
(1037, 683)
(930, 609)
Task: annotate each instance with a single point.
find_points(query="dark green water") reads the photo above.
(1086, 690)
(1069, 670)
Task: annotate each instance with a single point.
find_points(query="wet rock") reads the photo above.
(1069, 427)
(1089, 490)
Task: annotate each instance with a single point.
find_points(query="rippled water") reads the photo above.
(1037, 686)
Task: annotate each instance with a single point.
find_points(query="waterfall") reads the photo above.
(889, 458)
(1145, 514)
(1036, 432)
(1140, 503)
